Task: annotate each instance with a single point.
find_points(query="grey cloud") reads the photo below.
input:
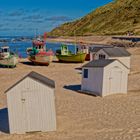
(16, 29)
(33, 17)
(1, 12)
(19, 25)
(34, 21)
(37, 18)
(35, 10)
(1, 25)
(5, 29)
(11, 19)
(23, 29)
(18, 12)
(58, 18)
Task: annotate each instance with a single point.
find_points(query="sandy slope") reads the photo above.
(79, 116)
(90, 40)
(84, 39)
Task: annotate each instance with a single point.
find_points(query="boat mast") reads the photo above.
(75, 41)
(45, 37)
(36, 32)
(45, 40)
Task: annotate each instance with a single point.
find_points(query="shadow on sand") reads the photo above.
(28, 63)
(80, 69)
(31, 64)
(5, 67)
(73, 87)
(56, 61)
(4, 123)
(63, 62)
(77, 88)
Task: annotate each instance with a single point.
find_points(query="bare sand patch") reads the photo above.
(80, 116)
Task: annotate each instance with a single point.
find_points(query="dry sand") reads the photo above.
(80, 116)
(90, 40)
(83, 39)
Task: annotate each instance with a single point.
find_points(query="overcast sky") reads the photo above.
(23, 17)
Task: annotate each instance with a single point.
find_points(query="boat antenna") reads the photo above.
(45, 37)
(36, 32)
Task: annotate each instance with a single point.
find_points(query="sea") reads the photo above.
(19, 44)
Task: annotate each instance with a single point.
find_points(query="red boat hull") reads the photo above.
(87, 57)
(38, 62)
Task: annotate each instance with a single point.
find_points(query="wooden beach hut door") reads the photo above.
(115, 80)
(31, 111)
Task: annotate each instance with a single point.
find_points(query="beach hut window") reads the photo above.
(85, 73)
(101, 56)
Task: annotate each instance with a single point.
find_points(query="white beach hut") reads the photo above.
(120, 54)
(94, 49)
(31, 104)
(104, 77)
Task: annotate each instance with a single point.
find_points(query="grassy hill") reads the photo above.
(116, 18)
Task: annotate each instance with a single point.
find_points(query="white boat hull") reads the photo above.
(11, 62)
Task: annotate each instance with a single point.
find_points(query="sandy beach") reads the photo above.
(84, 39)
(80, 116)
(90, 40)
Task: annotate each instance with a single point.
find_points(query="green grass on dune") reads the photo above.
(116, 18)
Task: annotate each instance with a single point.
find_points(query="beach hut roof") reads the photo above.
(99, 63)
(38, 77)
(117, 52)
(102, 63)
(96, 49)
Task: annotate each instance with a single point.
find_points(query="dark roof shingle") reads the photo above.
(38, 77)
(41, 78)
(95, 49)
(117, 52)
(99, 63)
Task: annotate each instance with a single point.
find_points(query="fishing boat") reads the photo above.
(7, 58)
(38, 54)
(64, 55)
(42, 58)
(85, 49)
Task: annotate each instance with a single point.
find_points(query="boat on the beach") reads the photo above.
(42, 58)
(7, 58)
(38, 54)
(64, 55)
(84, 49)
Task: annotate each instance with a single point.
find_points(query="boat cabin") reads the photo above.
(5, 52)
(39, 47)
(83, 48)
(39, 44)
(64, 50)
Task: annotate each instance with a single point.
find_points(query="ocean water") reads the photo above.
(20, 47)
